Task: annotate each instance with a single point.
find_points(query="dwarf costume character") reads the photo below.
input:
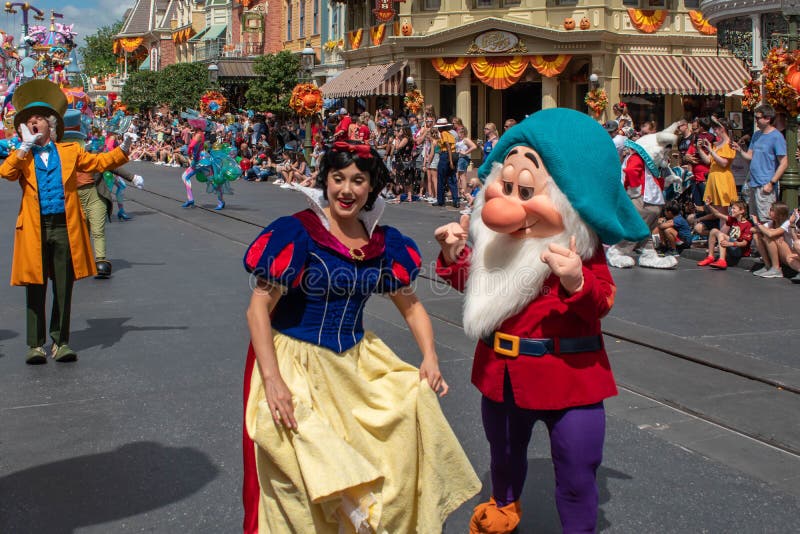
(643, 182)
(51, 238)
(537, 285)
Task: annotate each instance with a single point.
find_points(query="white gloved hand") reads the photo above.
(138, 181)
(28, 140)
(127, 141)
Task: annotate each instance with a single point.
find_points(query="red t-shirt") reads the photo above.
(740, 231)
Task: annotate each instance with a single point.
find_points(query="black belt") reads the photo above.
(512, 346)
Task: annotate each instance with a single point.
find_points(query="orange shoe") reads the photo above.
(487, 518)
(720, 264)
(707, 261)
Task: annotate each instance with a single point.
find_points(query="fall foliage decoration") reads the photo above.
(414, 101)
(306, 99)
(597, 101)
(213, 104)
(751, 95)
(779, 74)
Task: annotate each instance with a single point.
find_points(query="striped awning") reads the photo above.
(657, 75)
(383, 79)
(717, 75)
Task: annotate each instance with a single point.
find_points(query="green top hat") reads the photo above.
(40, 97)
(72, 126)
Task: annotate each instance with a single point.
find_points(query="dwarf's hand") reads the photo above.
(127, 141)
(138, 181)
(28, 140)
(452, 237)
(565, 264)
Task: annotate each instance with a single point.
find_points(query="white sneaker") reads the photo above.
(772, 273)
(287, 186)
(467, 211)
(761, 271)
(174, 165)
(277, 182)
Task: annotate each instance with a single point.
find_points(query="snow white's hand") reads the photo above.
(28, 140)
(279, 399)
(565, 263)
(429, 370)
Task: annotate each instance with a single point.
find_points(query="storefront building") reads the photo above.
(489, 60)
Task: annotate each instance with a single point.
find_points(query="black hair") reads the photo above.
(334, 159)
(673, 207)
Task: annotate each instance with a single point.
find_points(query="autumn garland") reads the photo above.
(751, 95)
(597, 100)
(414, 101)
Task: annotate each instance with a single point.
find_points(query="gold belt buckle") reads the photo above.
(513, 352)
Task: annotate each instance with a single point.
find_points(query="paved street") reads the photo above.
(143, 433)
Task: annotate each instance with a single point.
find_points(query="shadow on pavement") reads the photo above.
(62, 496)
(119, 265)
(7, 334)
(106, 332)
(539, 513)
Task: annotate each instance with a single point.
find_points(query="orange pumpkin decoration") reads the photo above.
(310, 100)
(406, 29)
(585, 24)
(569, 23)
(793, 77)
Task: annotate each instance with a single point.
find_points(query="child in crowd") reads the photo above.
(474, 186)
(675, 232)
(775, 240)
(735, 243)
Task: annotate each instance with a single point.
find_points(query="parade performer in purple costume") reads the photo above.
(536, 285)
(344, 435)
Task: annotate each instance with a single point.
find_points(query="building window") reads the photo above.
(688, 4)
(302, 9)
(289, 20)
(431, 5)
(511, 3)
(315, 22)
(484, 4)
(565, 2)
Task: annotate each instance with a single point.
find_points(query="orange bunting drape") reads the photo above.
(130, 44)
(499, 72)
(647, 20)
(396, 27)
(551, 65)
(355, 37)
(377, 34)
(701, 24)
(116, 48)
(449, 67)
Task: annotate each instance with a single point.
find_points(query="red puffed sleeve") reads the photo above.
(278, 254)
(403, 261)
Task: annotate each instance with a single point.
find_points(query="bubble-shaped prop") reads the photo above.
(108, 178)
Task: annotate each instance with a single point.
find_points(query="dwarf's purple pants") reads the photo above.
(576, 446)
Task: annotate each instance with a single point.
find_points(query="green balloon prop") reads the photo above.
(108, 177)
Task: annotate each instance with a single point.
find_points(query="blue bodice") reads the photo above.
(326, 289)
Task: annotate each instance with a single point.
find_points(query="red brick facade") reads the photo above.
(167, 50)
(274, 27)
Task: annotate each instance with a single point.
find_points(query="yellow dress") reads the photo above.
(372, 451)
(720, 184)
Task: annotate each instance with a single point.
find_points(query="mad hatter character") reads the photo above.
(51, 238)
(537, 285)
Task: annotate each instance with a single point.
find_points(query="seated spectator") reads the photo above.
(775, 240)
(474, 188)
(735, 243)
(674, 230)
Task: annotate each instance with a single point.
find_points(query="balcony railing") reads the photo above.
(209, 50)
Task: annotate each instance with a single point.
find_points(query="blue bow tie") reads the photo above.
(41, 149)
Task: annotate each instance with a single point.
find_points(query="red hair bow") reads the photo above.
(361, 150)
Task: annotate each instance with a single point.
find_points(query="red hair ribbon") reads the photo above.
(361, 150)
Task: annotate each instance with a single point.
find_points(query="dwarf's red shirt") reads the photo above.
(552, 381)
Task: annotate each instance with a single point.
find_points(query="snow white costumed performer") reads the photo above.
(537, 285)
(348, 437)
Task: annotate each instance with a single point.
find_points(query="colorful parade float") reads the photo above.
(43, 52)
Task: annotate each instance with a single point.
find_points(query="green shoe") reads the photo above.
(63, 353)
(36, 356)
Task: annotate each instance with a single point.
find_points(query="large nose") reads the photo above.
(501, 213)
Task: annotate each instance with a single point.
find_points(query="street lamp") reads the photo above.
(307, 57)
(790, 181)
(213, 73)
(594, 79)
(411, 84)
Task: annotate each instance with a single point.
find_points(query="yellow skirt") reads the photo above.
(372, 452)
(720, 189)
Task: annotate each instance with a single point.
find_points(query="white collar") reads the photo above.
(317, 201)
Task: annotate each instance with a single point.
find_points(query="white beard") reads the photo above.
(507, 273)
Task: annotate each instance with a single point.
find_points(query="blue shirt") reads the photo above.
(681, 225)
(767, 150)
(48, 180)
(487, 149)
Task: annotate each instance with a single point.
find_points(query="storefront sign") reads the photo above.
(494, 41)
(384, 11)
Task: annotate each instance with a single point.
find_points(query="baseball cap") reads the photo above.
(611, 126)
(343, 111)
